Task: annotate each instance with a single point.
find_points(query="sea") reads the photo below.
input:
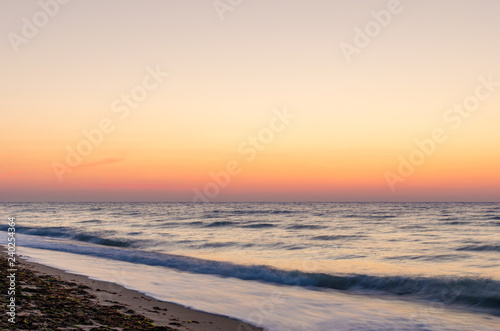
(284, 266)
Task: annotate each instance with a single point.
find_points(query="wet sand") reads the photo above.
(52, 299)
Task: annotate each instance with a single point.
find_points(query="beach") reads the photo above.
(278, 266)
(52, 299)
(250, 165)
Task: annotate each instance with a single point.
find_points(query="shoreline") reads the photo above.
(123, 303)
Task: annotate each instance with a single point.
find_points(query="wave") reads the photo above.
(410, 227)
(448, 218)
(480, 248)
(336, 237)
(379, 215)
(194, 223)
(456, 223)
(90, 221)
(294, 248)
(306, 227)
(259, 226)
(220, 223)
(226, 213)
(476, 292)
(66, 233)
(431, 258)
(168, 224)
(217, 245)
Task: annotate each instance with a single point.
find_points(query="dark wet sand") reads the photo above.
(51, 299)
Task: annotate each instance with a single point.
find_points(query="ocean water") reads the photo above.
(285, 266)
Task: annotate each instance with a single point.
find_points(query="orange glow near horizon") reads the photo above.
(349, 124)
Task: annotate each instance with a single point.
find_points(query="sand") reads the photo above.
(109, 302)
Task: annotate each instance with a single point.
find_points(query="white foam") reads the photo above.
(270, 306)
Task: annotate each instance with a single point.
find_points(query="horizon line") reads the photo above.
(212, 202)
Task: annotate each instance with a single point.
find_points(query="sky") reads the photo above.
(233, 100)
